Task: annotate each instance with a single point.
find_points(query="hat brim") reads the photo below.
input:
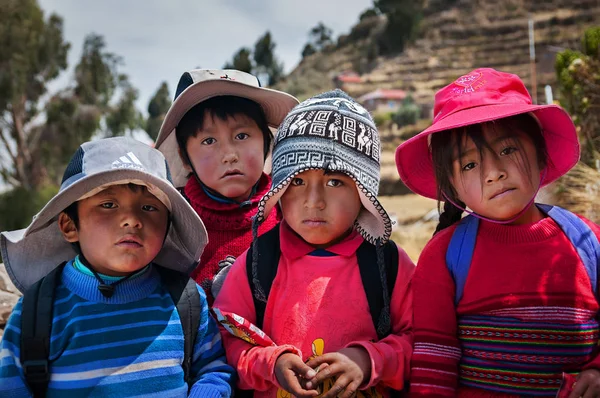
(30, 254)
(275, 104)
(373, 222)
(415, 165)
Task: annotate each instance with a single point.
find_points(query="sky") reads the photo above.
(159, 40)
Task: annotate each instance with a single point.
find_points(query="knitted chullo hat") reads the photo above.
(330, 132)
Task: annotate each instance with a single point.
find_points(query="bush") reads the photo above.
(382, 118)
(18, 206)
(408, 113)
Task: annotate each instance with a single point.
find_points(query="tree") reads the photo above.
(98, 81)
(320, 36)
(265, 59)
(157, 109)
(124, 117)
(308, 50)
(35, 145)
(578, 75)
(403, 18)
(241, 61)
(368, 13)
(32, 54)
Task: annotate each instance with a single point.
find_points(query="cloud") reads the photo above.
(158, 40)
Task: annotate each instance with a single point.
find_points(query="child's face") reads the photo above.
(502, 184)
(320, 207)
(121, 229)
(228, 155)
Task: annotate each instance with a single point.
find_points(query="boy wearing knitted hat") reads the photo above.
(326, 285)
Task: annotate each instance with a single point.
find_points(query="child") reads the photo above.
(503, 303)
(217, 131)
(335, 282)
(115, 330)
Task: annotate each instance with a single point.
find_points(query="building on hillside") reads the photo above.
(346, 77)
(383, 100)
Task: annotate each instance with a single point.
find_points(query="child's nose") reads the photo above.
(494, 170)
(315, 198)
(131, 218)
(230, 154)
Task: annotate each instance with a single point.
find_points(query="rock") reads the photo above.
(9, 295)
(5, 282)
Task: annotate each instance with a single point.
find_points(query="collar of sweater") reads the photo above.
(293, 246)
(535, 232)
(224, 216)
(130, 290)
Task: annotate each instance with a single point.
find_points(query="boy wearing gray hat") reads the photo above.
(108, 307)
(326, 285)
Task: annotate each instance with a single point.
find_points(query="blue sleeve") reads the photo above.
(12, 379)
(211, 375)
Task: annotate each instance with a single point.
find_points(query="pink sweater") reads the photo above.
(318, 305)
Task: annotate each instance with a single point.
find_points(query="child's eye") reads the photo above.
(334, 183)
(242, 136)
(149, 208)
(297, 181)
(468, 166)
(508, 150)
(108, 205)
(208, 141)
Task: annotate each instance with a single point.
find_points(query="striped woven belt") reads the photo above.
(526, 358)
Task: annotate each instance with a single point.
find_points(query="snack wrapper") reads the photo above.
(242, 328)
(566, 386)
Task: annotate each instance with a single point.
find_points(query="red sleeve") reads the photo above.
(255, 365)
(594, 363)
(390, 357)
(434, 365)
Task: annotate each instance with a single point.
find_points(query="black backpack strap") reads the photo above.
(369, 273)
(36, 328)
(268, 260)
(185, 295)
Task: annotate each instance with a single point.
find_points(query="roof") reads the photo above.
(349, 77)
(380, 93)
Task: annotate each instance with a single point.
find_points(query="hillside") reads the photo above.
(453, 41)
(471, 34)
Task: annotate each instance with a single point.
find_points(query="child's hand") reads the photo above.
(289, 369)
(587, 384)
(351, 366)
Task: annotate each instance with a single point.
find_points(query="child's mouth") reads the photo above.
(316, 222)
(132, 243)
(232, 173)
(502, 193)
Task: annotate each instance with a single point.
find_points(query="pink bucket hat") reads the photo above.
(481, 96)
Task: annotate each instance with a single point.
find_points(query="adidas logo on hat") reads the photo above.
(129, 161)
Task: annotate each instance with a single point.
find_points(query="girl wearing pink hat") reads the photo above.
(505, 299)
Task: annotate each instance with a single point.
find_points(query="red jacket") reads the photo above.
(317, 305)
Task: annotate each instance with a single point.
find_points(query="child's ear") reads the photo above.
(184, 160)
(68, 228)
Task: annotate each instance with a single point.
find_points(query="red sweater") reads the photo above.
(526, 276)
(317, 305)
(229, 227)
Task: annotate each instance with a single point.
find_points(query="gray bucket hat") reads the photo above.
(198, 85)
(31, 253)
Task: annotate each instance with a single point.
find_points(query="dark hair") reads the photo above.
(223, 107)
(445, 147)
(72, 213)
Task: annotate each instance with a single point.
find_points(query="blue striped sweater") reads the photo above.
(128, 345)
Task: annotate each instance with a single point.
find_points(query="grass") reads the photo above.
(579, 190)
